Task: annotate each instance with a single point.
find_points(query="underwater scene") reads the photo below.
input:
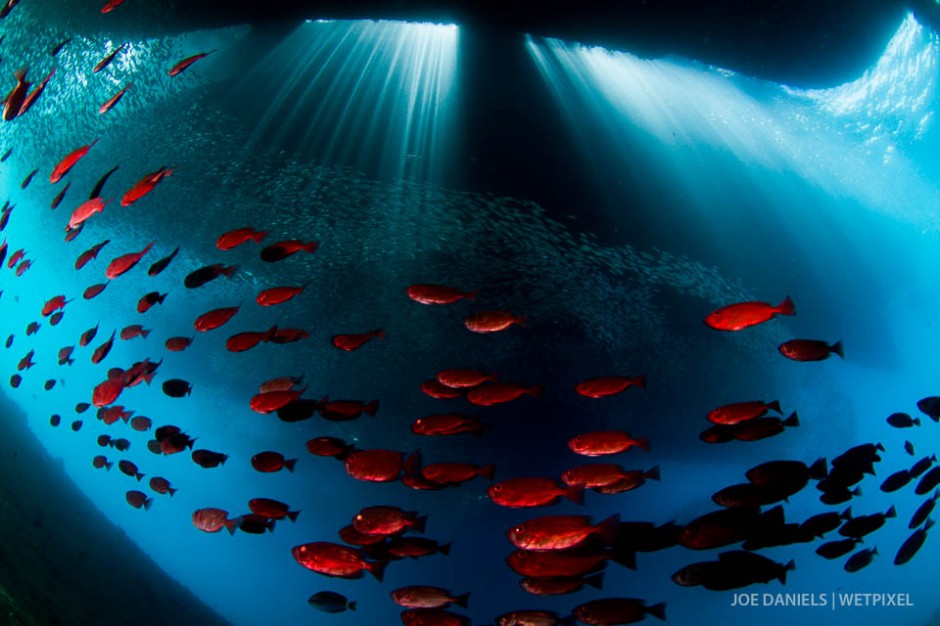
(372, 321)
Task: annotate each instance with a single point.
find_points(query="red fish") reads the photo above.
(439, 391)
(107, 392)
(65, 355)
(14, 100)
(425, 597)
(93, 291)
(284, 383)
(23, 266)
(462, 379)
(88, 336)
(113, 100)
(102, 351)
(387, 520)
(375, 465)
(340, 410)
(53, 304)
(352, 342)
(139, 500)
(283, 249)
(106, 61)
(150, 299)
(130, 469)
(492, 321)
(738, 412)
(32, 328)
(15, 380)
(602, 475)
(5, 216)
(178, 344)
(144, 186)
(289, 335)
(336, 560)
(141, 424)
(456, 473)
(353, 537)
(235, 238)
(447, 424)
(111, 5)
(101, 461)
(28, 179)
(160, 265)
(69, 161)
(185, 63)
(72, 234)
(560, 532)
(602, 442)
(809, 349)
(247, 340)
(432, 617)
(500, 393)
(162, 485)
(31, 99)
(60, 196)
(272, 509)
(56, 318)
(15, 257)
(272, 462)
(203, 275)
(208, 459)
(126, 262)
(215, 318)
(26, 362)
(135, 330)
(530, 492)
(270, 401)
(563, 563)
(537, 617)
(92, 253)
(745, 314)
(212, 520)
(278, 295)
(438, 294)
(330, 446)
(618, 611)
(608, 386)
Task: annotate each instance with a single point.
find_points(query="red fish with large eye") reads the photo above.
(730, 414)
(215, 318)
(438, 294)
(564, 563)
(272, 462)
(341, 410)
(350, 342)
(456, 473)
(283, 383)
(278, 295)
(53, 304)
(92, 253)
(240, 342)
(530, 492)
(69, 161)
(272, 509)
(376, 465)
(441, 392)
(26, 362)
(144, 186)
(500, 393)
(608, 386)
(102, 351)
(447, 424)
(126, 262)
(85, 211)
(139, 500)
(107, 392)
(602, 475)
(270, 401)
(432, 617)
(31, 99)
(425, 597)
(178, 344)
(464, 379)
(14, 100)
(162, 485)
(283, 249)
(212, 520)
(185, 63)
(234, 238)
(387, 520)
(330, 446)
(604, 442)
(809, 349)
(610, 611)
(746, 314)
(492, 321)
(560, 532)
(111, 5)
(332, 559)
(149, 300)
(111, 102)
(289, 335)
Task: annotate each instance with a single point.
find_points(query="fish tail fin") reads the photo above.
(444, 548)
(595, 580)
(575, 493)
(874, 551)
(107, 465)
(230, 270)
(419, 523)
(535, 391)
(172, 491)
(20, 74)
(224, 459)
(892, 512)
(640, 381)
(818, 470)
(371, 408)
(145, 332)
(930, 524)
(232, 524)
(652, 473)
(609, 529)
(786, 307)
(658, 611)
(147, 249)
(351, 605)
(139, 476)
(847, 513)
(488, 471)
(310, 246)
(625, 557)
(916, 421)
(783, 571)
(471, 295)
(520, 319)
(377, 569)
(791, 421)
(147, 503)
(837, 348)
(412, 463)
(259, 235)
(379, 333)
(161, 297)
(643, 443)
(293, 515)
(774, 406)
(268, 336)
(289, 464)
(69, 361)
(462, 600)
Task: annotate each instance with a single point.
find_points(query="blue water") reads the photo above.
(729, 188)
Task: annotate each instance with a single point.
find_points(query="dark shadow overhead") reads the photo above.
(799, 42)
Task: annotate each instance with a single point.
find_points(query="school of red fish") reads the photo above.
(553, 554)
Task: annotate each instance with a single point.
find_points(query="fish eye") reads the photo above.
(523, 554)
(497, 487)
(519, 530)
(359, 517)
